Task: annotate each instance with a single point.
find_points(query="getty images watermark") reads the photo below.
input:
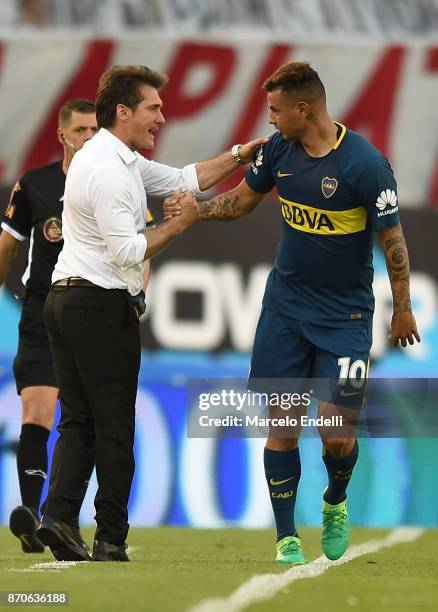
(402, 408)
(243, 401)
(280, 408)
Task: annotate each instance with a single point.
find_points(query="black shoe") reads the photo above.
(102, 551)
(62, 540)
(79, 537)
(23, 524)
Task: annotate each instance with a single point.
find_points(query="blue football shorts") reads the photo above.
(286, 350)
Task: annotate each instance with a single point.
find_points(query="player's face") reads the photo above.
(80, 128)
(146, 119)
(286, 114)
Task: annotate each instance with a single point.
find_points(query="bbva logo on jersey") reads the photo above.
(306, 218)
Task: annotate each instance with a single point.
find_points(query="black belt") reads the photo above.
(138, 300)
(65, 283)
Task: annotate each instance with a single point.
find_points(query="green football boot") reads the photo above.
(335, 529)
(289, 551)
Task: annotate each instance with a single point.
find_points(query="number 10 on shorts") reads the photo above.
(354, 373)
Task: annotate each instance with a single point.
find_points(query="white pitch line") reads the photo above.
(51, 566)
(132, 549)
(57, 566)
(265, 586)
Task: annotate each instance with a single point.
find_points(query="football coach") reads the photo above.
(93, 308)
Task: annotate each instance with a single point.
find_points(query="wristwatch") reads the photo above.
(235, 153)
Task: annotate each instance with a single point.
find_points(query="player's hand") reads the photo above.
(172, 204)
(404, 329)
(189, 209)
(248, 150)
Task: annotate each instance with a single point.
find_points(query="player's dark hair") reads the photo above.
(296, 78)
(120, 85)
(79, 105)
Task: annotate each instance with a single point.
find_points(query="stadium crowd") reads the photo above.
(322, 18)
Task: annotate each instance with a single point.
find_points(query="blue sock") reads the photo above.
(283, 471)
(339, 473)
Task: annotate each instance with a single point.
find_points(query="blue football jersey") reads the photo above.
(331, 207)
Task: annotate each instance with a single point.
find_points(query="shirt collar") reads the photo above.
(342, 134)
(118, 146)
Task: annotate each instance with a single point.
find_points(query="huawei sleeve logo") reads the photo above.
(387, 203)
(258, 161)
(387, 196)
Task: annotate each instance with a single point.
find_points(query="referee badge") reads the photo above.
(328, 186)
(52, 229)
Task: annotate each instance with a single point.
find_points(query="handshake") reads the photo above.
(181, 206)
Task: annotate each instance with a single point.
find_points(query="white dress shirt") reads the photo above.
(105, 209)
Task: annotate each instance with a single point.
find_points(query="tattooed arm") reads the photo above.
(224, 207)
(403, 325)
(230, 205)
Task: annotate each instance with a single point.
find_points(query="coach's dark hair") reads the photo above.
(120, 85)
(79, 105)
(297, 78)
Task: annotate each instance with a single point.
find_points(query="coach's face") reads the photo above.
(287, 114)
(145, 119)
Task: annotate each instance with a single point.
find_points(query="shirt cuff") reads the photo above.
(191, 178)
(139, 247)
(13, 232)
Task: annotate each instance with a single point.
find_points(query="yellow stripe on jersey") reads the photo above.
(319, 221)
(341, 137)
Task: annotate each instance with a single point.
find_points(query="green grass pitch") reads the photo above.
(174, 569)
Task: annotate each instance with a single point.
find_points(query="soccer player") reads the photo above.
(335, 190)
(34, 212)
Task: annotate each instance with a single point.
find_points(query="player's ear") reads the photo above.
(304, 108)
(60, 134)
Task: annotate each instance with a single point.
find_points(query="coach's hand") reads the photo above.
(172, 204)
(189, 210)
(404, 328)
(248, 150)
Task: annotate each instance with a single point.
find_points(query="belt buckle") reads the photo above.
(61, 285)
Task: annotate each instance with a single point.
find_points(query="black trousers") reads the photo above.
(95, 343)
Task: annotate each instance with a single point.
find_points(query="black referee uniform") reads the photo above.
(34, 213)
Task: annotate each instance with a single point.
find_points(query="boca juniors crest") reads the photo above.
(328, 186)
(53, 229)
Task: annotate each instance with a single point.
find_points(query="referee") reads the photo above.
(34, 212)
(92, 309)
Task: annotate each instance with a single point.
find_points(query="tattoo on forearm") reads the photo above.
(221, 208)
(397, 262)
